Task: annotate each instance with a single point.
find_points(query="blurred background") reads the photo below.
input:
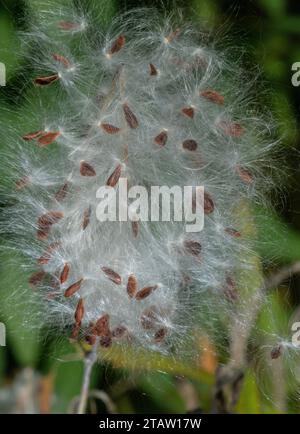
(43, 375)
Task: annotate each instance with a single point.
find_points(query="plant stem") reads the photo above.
(88, 363)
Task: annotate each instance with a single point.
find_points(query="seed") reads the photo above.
(112, 275)
(32, 136)
(45, 258)
(192, 247)
(62, 192)
(86, 217)
(190, 145)
(37, 278)
(86, 169)
(22, 183)
(117, 45)
(105, 341)
(276, 352)
(114, 177)
(119, 332)
(172, 36)
(188, 111)
(145, 292)
(47, 138)
(101, 327)
(149, 318)
(135, 228)
(67, 25)
(130, 117)
(61, 59)
(233, 129)
(230, 290)
(75, 331)
(245, 174)
(131, 286)
(90, 339)
(46, 221)
(73, 288)
(153, 70)
(110, 129)
(160, 335)
(45, 81)
(65, 273)
(233, 232)
(161, 138)
(79, 312)
(208, 203)
(213, 96)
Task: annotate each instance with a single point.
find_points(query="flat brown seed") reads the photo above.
(130, 117)
(79, 312)
(64, 274)
(105, 341)
(62, 192)
(46, 220)
(117, 45)
(37, 278)
(86, 169)
(47, 138)
(149, 318)
(245, 174)
(101, 327)
(212, 96)
(208, 203)
(131, 286)
(110, 129)
(145, 292)
(160, 335)
(190, 145)
(75, 331)
(192, 247)
(135, 228)
(45, 258)
(45, 81)
(32, 136)
(276, 352)
(233, 232)
(22, 183)
(73, 288)
(112, 275)
(233, 129)
(188, 111)
(153, 70)
(114, 177)
(161, 139)
(68, 25)
(61, 59)
(86, 217)
(119, 332)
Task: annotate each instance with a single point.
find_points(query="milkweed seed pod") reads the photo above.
(152, 100)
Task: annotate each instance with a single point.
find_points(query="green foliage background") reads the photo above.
(270, 31)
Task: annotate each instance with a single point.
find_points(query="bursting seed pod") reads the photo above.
(154, 102)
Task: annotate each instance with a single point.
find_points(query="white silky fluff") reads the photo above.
(194, 291)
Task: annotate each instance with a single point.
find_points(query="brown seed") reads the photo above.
(32, 136)
(79, 312)
(112, 275)
(145, 292)
(233, 129)
(105, 341)
(172, 36)
(213, 96)
(110, 129)
(245, 174)
(230, 289)
(73, 288)
(37, 278)
(22, 183)
(101, 327)
(86, 217)
(208, 203)
(115, 176)
(117, 45)
(45, 258)
(276, 352)
(135, 228)
(45, 81)
(64, 274)
(61, 59)
(90, 339)
(75, 331)
(149, 318)
(153, 70)
(131, 286)
(119, 332)
(190, 145)
(233, 232)
(62, 192)
(86, 169)
(192, 247)
(45, 223)
(67, 25)
(188, 111)
(130, 117)
(47, 138)
(161, 138)
(160, 335)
